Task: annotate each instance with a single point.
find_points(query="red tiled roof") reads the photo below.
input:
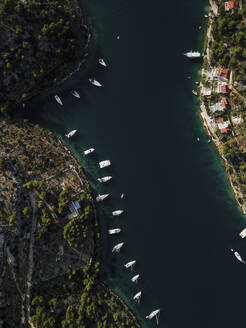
(233, 4)
(225, 130)
(220, 120)
(224, 102)
(223, 72)
(224, 89)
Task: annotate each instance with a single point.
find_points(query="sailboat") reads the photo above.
(103, 164)
(75, 94)
(153, 314)
(58, 99)
(137, 297)
(114, 231)
(243, 233)
(104, 179)
(238, 256)
(117, 247)
(102, 62)
(88, 151)
(117, 213)
(135, 278)
(71, 133)
(130, 264)
(95, 82)
(122, 196)
(100, 198)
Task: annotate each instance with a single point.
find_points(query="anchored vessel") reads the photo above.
(130, 264)
(192, 54)
(102, 62)
(243, 233)
(117, 213)
(95, 82)
(153, 314)
(135, 278)
(194, 92)
(75, 94)
(117, 247)
(58, 99)
(114, 231)
(103, 164)
(70, 134)
(100, 198)
(137, 297)
(122, 196)
(238, 256)
(88, 151)
(104, 179)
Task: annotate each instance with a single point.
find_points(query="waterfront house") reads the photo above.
(222, 124)
(231, 6)
(216, 107)
(223, 74)
(224, 103)
(225, 130)
(224, 89)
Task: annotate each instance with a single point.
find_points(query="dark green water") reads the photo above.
(181, 218)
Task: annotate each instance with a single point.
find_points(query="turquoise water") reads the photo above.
(180, 216)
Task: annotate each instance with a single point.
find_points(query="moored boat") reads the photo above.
(102, 62)
(95, 82)
(104, 179)
(238, 256)
(243, 233)
(153, 314)
(71, 133)
(114, 231)
(192, 54)
(75, 94)
(103, 164)
(88, 151)
(117, 212)
(194, 92)
(117, 247)
(58, 99)
(135, 278)
(137, 297)
(130, 264)
(122, 196)
(100, 198)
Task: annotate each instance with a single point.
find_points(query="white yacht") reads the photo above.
(137, 297)
(102, 62)
(194, 92)
(58, 99)
(114, 231)
(153, 314)
(117, 213)
(100, 198)
(71, 133)
(88, 151)
(117, 247)
(122, 196)
(206, 16)
(103, 164)
(192, 54)
(95, 82)
(130, 264)
(238, 256)
(243, 233)
(75, 94)
(135, 278)
(104, 179)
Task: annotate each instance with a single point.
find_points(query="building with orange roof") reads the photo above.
(220, 120)
(223, 74)
(224, 89)
(231, 6)
(224, 103)
(225, 130)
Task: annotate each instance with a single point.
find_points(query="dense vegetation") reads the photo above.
(40, 43)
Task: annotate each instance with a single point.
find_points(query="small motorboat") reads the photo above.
(194, 92)
(122, 196)
(100, 198)
(88, 151)
(117, 247)
(118, 37)
(153, 314)
(135, 278)
(103, 164)
(206, 16)
(198, 139)
(117, 213)
(102, 62)
(95, 82)
(58, 99)
(104, 179)
(75, 94)
(114, 231)
(137, 297)
(238, 256)
(70, 134)
(130, 264)
(243, 233)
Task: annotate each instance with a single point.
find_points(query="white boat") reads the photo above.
(238, 256)
(71, 133)
(117, 213)
(117, 247)
(102, 62)
(75, 94)
(118, 37)
(206, 16)
(197, 82)
(198, 139)
(192, 54)
(199, 27)
(130, 264)
(114, 231)
(135, 278)
(103, 164)
(104, 179)
(243, 233)
(122, 196)
(95, 82)
(23, 105)
(58, 99)
(194, 92)
(100, 198)
(137, 297)
(153, 314)
(88, 151)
